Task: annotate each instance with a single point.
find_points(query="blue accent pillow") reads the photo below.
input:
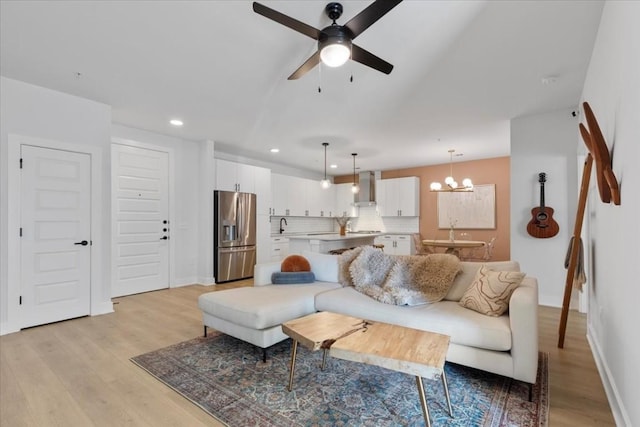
(292, 277)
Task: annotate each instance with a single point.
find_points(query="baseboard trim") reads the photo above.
(101, 308)
(618, 410)
(8, 328)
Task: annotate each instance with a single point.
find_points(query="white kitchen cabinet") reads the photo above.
(262, 187)
(396, 244)
(279, 194)
(297, 196)
(345, 201)
(232, 176)
(279, 248)
(320, 202)
(294, 196)
(398, 196)
(288, 195)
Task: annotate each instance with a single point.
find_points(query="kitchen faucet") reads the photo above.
(285, 223)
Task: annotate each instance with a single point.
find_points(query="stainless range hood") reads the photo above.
(367, 194)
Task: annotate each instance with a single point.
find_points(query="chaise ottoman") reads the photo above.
(254, 314)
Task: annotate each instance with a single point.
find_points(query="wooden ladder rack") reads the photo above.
(575, 247)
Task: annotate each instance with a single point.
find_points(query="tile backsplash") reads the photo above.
(368, 219)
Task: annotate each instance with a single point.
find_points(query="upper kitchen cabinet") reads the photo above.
(345, 205)
(398, 196)
(320, 202)
(293, 196)
(288, 195)
(232, 176)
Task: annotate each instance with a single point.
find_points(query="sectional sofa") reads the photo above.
(506, 345)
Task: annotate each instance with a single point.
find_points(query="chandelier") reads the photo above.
(451, 184)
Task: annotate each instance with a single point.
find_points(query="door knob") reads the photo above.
(164, 238)
(83, 243)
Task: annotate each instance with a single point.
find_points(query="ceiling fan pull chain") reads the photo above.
(351, 66)
(319, 78)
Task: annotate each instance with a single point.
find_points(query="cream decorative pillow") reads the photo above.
(491, 290)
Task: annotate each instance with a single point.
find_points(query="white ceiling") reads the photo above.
(463, 69)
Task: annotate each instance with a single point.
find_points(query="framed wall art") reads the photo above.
(470, 210)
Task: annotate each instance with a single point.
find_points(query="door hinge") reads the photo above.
(20, 299)
(20, 163)
(20, 231)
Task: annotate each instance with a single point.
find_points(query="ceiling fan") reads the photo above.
(335, 42)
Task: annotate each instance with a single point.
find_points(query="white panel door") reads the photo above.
(56, 235)
(141, 229)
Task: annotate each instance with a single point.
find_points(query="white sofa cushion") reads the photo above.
(469, 269)
(465, 327)
(264, 306)
(324, 266)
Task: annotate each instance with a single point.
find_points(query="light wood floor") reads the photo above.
(78, 373)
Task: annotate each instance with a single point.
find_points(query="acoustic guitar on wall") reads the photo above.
(542, 225)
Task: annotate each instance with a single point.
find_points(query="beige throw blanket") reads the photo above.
(399, 280)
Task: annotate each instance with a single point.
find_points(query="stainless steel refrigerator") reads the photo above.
(234, 235)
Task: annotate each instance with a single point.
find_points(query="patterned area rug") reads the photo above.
(227, 378)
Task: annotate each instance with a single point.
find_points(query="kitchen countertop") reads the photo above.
(332, 236)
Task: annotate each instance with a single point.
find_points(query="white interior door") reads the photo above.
(141, 229)
(55, 246)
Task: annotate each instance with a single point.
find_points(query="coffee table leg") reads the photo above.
(423, 401)
(446, 392)
(324, 359)
(292, 366)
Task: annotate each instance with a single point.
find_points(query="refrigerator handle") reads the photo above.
(239, 215)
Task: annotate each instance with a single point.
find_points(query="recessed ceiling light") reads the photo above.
(333, 166)
(176, 122)
(275, 150)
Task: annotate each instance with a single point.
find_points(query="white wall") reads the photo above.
(544, 143)
(33, 111)
(612, 88)
(185, 197)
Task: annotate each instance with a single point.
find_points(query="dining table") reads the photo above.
(454, 246)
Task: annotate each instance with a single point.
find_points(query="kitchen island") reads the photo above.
(325, 242)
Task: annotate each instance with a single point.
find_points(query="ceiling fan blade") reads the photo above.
(370, 15)
(364, 57)
(287, 21)
(308, 65)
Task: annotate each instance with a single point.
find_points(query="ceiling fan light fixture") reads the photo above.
(335, 55)
(334, 45)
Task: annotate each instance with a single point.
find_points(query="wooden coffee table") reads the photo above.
(414, 352)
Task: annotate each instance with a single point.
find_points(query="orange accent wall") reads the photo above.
(488, 171)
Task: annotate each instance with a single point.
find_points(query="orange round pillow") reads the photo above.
(294, 263)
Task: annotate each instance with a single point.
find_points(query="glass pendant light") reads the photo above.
(325, 182)
(354, 188)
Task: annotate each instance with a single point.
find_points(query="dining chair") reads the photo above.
(420, 248)
(487, 252)
(488, 249)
